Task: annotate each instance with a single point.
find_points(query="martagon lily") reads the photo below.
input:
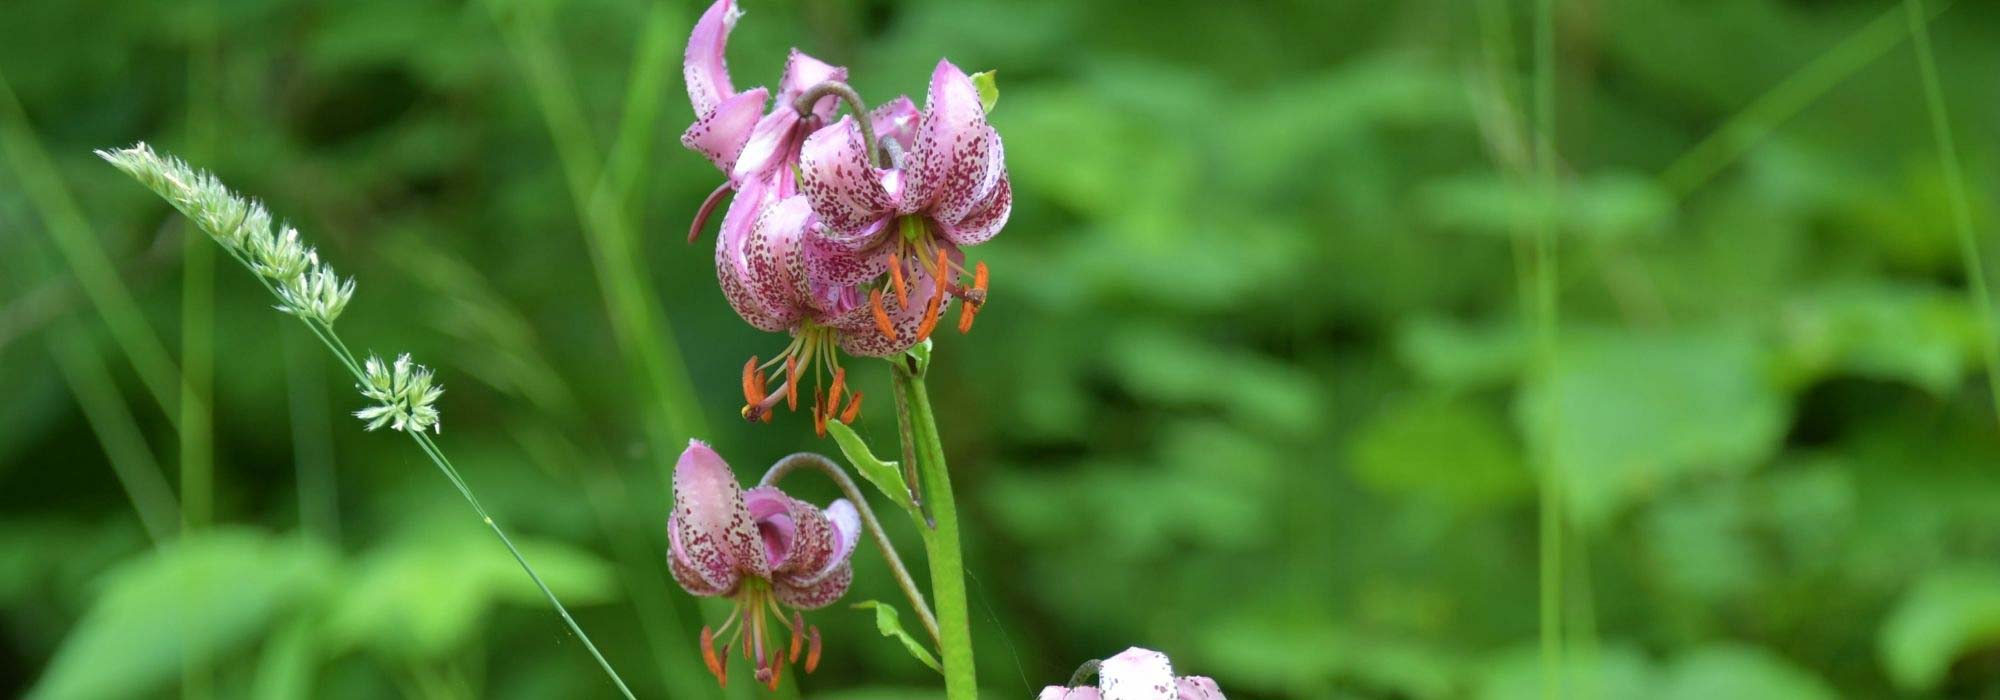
(770, 554)
(1137, 674)
(775, 259)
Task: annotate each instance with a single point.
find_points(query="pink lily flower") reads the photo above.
(764, 550)
(1138, 674)
(767, 261)
(944, 188)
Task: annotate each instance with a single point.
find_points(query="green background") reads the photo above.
(1257, 385)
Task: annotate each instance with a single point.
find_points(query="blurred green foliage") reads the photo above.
(1255, 388)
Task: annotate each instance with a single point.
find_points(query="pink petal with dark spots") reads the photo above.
(732, 266)
(1199, 688)
(721, 133)
(704, 66)
(777, 273)
(858, 333)
(1137, 674)
(820, 593)
(713, 537)
(984, 221)
(948, 161)
(834, 172)
(802, 72)
(896, 121)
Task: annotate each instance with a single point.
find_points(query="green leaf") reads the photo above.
(886, 476)
(208, 594)
(989, 90)
(890, 624)
(1740, 671)
(1949, 615)
(1445, 448)
(1624, 415)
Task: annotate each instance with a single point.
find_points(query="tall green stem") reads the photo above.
(947, 562)
(1550, 520)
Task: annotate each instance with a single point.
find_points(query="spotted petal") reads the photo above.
(1199, 688)
(720, 134)
(713, 540)
(956, 159)
(796, 536)
(985, 220)
(802, 72)
(1137, 674)
(846, 190)
(704, 66)
(818, 594)
(777, 273)
(732, 266)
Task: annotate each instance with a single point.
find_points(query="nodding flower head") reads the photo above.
(1135, 674)
(944, 187)
(772, 555)
(779, 278)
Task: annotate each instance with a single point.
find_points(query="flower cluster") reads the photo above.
(403, 394)
(848, 235)
(1137, 674)
(765, 551)
(305, 287)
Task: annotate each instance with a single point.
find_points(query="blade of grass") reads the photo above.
(1785, 100)
(117, 431)
(1550, 510)
(1961, 209)
(640, 327)
(312, 442)
(86, 257)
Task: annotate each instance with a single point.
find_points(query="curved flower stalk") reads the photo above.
(1134, 674)
(767, 552)
(403, 393)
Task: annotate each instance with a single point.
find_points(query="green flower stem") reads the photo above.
(947, 562)
(1550, 526)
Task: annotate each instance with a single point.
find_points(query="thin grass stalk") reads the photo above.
(86, 258)
(1961, 209)
(1550, 529)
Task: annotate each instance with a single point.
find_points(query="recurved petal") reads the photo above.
(834, 172)
(732, 265)
(721, 133)
(713, 534)
(984, 221)
(767, 143)
(1137, 674)
(817, 594)
(777, 271)
(1199, 688)
(949, 166)
(896, 121)
(802, 72)
(835, 263)
(704, 66)
(687, 573)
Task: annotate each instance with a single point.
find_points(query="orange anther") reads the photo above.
(965, 317)
(820, 411)
(930, 314)
(881, 317)
(896, 277)
(979, 276)
(812, 650)
(839, 384)
(853, 410)
(798, 635)
(751, 382)
(717, 666)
